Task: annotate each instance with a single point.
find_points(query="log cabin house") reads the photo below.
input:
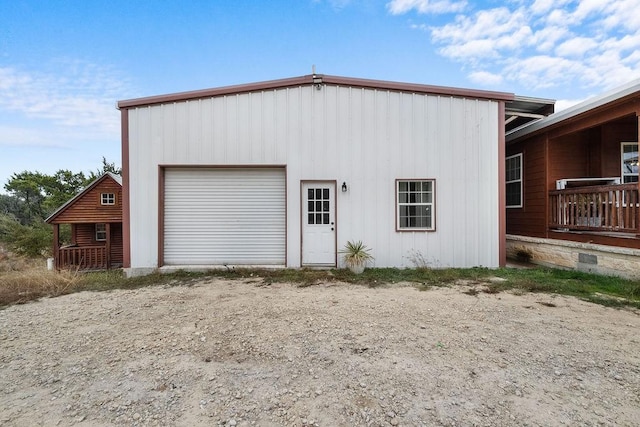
(95, 218)
(572, 186)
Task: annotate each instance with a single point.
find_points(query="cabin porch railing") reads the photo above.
(612, 208)
(82, 258)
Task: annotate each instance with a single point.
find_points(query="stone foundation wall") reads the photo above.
(587, 257)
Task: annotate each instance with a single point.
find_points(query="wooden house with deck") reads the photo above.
(95, 217)
(572, 186)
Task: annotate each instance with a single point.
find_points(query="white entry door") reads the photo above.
(318, 224)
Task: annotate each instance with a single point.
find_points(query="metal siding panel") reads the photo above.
(364, 137)
(242, 124)
(143, 178)
(269, 125)
(205, 127)
(224, 216)
(218, 141)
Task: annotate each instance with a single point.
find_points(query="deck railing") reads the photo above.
(82, 258)
(612, 208)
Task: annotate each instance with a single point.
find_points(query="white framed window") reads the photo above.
(629, 162)
(107, 199)
(101, 232)
(513, 175)
(415, 200)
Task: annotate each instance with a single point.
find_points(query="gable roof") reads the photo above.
(94, 183)
(617, 95)
(316, 79)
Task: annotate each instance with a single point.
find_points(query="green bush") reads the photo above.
(30, 240)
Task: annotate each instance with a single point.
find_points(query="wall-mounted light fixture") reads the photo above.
(344, 187)
(317, 81)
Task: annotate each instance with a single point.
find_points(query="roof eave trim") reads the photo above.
(313, 79)
(225, 90)
(419, 88)
(614, 95)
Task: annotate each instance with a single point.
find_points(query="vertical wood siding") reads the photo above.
(365, 137)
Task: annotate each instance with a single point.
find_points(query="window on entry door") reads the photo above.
(629, 162)
(318, 206)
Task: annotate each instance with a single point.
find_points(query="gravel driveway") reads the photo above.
(245, 353)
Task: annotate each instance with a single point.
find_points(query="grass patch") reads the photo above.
(605, 290)
(23, 279)
(17, 287)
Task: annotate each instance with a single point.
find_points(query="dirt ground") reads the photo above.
(244, 353)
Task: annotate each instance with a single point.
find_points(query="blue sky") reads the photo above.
(65, 63)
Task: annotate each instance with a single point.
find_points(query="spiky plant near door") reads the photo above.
(356, 255)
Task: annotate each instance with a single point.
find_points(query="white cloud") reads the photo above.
(486, 78)
(546, 39)
(77, 98)
(542, 71)
(484, 49)
(542, 43)
(399, 7)
(487, 33)
(542, 7)
(610, 70)
(15, 135)
(576, 47)
(622, 14)
(557, 17)
(587, 8)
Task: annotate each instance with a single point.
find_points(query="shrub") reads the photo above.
(29, 240)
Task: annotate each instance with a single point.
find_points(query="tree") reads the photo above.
(30, 240)
(61, 187)
(25, 188)
(41, 194)
(12, 207)
(106, 167)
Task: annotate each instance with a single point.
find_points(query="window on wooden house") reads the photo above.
(107, 199)
(415, 205)
(101, 232)
(629, 161)
(513, 175)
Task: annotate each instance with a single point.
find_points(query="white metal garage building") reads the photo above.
(284, 173)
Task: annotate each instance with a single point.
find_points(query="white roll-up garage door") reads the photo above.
(216, 216)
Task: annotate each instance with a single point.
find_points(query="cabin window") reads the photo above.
(629, 160)
(107, 199)
(101, 232)
(513, 173)
(415, 204)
